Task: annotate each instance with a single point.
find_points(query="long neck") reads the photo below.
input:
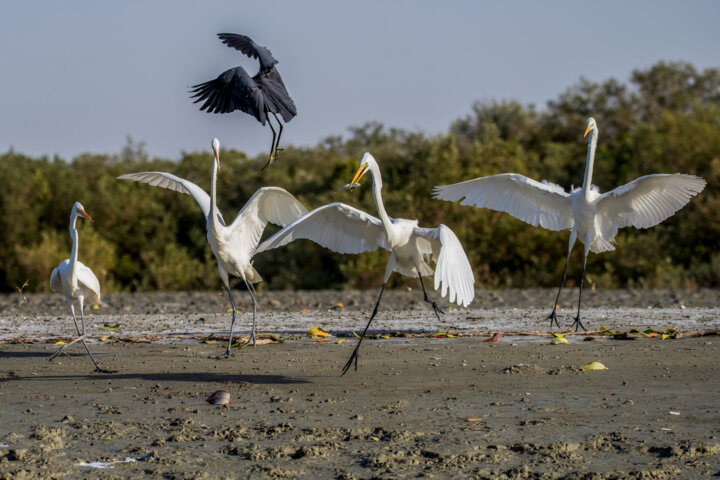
(587, 180)
(377, 195)
(74, 252)
(213, 196)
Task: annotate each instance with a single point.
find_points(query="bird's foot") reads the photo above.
(251, 340)
(438, 311)
(272, 158)
(227, 354)
(578, 324)
(553, 318)
(353, 359)
(62, 349)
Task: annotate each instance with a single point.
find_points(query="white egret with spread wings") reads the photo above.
(77, 282)
(592, 217)
(232, 244)
(346, 229)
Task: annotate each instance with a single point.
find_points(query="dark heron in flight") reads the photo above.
(259, 96)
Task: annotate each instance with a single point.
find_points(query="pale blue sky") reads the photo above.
(79, 76)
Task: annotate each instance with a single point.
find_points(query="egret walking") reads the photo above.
(77, 282)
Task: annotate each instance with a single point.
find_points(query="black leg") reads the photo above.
(553, 316)
(232, 323)
(436, 309)
(254, 308)
(577, 323)
(272, 144)
(354, 356)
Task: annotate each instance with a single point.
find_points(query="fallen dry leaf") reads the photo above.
(318, 332)
(594, 366)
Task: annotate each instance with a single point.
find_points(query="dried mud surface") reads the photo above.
(428, 407)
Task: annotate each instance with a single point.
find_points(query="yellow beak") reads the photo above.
(587, 130)
(85, 214)
(217, 158)
(360, 172)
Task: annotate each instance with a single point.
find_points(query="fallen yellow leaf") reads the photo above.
(96, 307)
(60, 342)
(304, 310)
(318, 332)
(558, 338)
(102, 339)
(473, 419)
(340, 341)
(594, 366)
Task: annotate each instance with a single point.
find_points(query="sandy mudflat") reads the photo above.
(418, 406)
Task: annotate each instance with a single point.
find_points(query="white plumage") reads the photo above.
(77, 282)
(346, 229)
(232, 244)
(592, 217)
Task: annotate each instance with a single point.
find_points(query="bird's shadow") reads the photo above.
(194, 377)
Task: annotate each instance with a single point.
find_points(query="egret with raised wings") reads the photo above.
(345, 229)
(232, 244)
(592, 217)
(260, 96)
(77, 282)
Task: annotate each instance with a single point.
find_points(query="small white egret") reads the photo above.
(77, 282)
(593, 217)
(232, 244)
(346, 229)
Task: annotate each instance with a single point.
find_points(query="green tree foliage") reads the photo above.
(666, 119)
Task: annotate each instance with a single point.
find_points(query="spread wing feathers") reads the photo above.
(248, 47)
(452, 268)
(646, 201)
(232, 90)
(339, 227)
(89, 281)
(55, 284)
(277, 98)
(536, 203)
(268, 204)
(170, 181)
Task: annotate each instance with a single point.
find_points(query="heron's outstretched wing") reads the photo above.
(268, 204)
(249, 48)
(87, 279)
(339, 227)
(232, 90)
(536, 203)
(170, 181)
(645, 201)
(452, 268)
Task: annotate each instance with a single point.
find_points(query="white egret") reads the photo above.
(77, 282)
(232, 244)
(346, 229)
(592, 217)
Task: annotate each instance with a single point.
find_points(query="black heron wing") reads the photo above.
(249, 48)
(276, 95)
(232, 90)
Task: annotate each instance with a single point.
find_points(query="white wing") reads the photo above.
(536, 203)
(171, 182)
(268, 204)
(646, 201)
(339, 227)
(89, 281)
(55, 282)
(452, 268)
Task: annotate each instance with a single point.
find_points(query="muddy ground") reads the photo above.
(418, 406)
